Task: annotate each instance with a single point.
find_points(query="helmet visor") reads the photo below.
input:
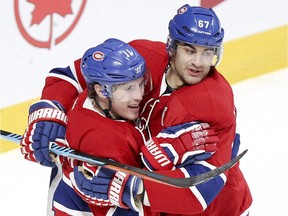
(134, 89)
(205, 55)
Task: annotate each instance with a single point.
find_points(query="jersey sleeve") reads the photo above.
(64, 84)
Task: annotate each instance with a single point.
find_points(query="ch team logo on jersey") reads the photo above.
(45, 24)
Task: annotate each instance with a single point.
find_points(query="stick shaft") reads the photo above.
(145, 174)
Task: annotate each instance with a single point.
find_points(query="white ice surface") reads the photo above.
(262, 104)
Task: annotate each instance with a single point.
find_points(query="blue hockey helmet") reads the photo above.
(195, 25)
(112, 62)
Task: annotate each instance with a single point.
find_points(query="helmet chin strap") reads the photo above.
(105, 111)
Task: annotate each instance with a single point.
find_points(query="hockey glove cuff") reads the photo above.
(192, 141)
(104, 187)
(46, 123)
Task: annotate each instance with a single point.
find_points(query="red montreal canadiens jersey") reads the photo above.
(90, 132)
(210, 101)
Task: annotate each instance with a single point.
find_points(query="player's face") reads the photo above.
(126, 98)
(191, 64)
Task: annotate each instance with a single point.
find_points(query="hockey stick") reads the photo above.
(145, 174)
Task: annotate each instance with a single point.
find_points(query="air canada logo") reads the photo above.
(46, 23)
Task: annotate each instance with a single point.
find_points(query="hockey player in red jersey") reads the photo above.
(191, 89)
(186, 87)
(101, 122)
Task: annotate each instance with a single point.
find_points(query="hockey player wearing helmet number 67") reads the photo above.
(188, 88)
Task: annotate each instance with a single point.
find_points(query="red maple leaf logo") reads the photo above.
(44, 8)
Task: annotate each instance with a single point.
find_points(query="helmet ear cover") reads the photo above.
(105, 91)
(95, 89)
